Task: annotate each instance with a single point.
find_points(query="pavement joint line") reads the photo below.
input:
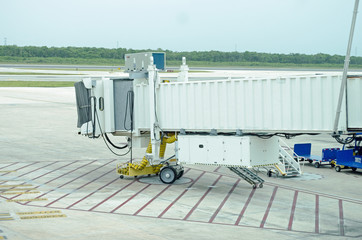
(9, 171)
(57, 178)
(224, 201)
(245, 207)
(202, 198)
(183, 193)
(82, 186)
(263, 221)
(292, 211)
(129, 199)
(90, 194)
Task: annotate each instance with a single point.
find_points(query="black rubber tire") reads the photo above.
(261, 185)
(317, 164)
(254, 186)
(338, 168)
(180, 174)
(168, 175)
(353, 169)
(121, 177)
(269, 173)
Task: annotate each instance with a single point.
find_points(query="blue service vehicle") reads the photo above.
(303, 151)
(350, 158)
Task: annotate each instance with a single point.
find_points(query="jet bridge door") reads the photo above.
(354, 103)
(123, 98)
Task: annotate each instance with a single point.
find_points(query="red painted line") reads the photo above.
(18, 169)
(316, 213)
(245, 207)
(44, 175)
(268, 208)
(144, 206)
(171, 204)
(11, 164)
(114, 194)
(292, 212)
(75, 203)
(65, 195)
(224, 201)
(202, 198)
(31, 171)
(341, 219)
(129, 199)
(217, 169)
(66, 182)
(75, 178)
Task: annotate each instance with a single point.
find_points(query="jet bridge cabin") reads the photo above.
(205, 115)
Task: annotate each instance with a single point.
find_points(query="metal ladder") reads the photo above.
(248, 176)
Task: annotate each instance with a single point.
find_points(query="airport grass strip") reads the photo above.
(36, 84)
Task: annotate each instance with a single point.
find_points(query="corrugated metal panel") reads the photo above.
(354, 103)
(292, 104)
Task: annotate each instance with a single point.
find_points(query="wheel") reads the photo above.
(254, 186)
(353, 169)
(121, 177)
(260, 185)
(338, 168)
(332, 165)
(168, 175)
(317, 164)
(269, 173)
(180, 174)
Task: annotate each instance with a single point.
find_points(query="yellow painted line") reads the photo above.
(22, 185)
(17, 189)
(19, 193)
(7, 171)
(27, 200)
(6, 219)
(44, 216)
(40, 212)
(4, 214)
(2, 237)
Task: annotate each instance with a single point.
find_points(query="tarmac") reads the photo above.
(55, 184)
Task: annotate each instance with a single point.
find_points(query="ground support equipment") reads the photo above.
(303, 150)
(248, 176)
(350, 158)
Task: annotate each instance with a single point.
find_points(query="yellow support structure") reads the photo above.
(143, 167)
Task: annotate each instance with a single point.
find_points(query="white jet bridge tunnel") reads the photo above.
(230, 122)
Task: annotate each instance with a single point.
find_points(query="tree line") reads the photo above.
(205, 56)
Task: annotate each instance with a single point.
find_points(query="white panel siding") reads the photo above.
(292, 104)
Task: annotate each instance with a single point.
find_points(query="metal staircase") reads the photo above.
(289, 164)
(248, 176)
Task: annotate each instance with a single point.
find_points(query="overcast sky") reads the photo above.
(271, 26)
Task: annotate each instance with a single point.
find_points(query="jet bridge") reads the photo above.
(228, 122)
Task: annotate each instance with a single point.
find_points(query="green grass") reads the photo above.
(120, 62)
(36, 84)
